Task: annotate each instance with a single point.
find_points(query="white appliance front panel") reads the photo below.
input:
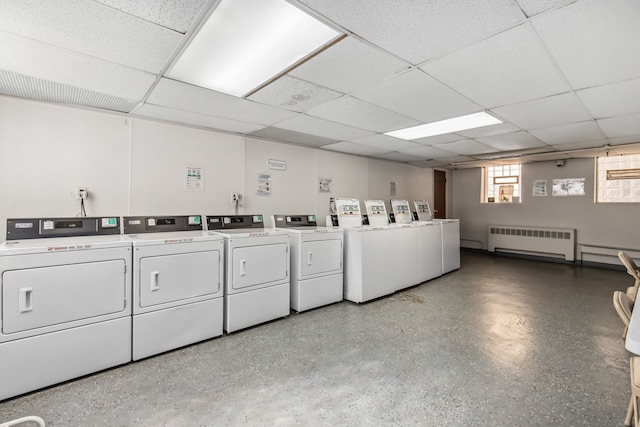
(321, 256)
(407, 255)
(177, 277)
(258, 265)
(174, 327)
(316, 292)
(43, 360)
(257, 306)
(34, 298)
(430, 251)
(450, 245)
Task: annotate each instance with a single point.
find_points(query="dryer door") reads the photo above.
(254, 266)
(321, 256)
(168, 278)
(39, 297)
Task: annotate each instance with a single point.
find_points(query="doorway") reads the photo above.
(439, 194)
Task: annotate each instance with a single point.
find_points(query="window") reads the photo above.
(502, 184)
(618, 179)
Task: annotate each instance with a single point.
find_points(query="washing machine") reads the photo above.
(407, 246)
(450, 244)
(316, 261)
(65, 299)
(369, 264)
(256, 278)
(177, 282)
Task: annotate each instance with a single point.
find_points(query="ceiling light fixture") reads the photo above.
(245, 44)
(456, 124)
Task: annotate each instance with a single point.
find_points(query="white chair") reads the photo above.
(622, 304)
(33, 419)
(633, 271)
(632, 412)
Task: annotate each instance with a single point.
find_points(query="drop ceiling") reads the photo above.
(563, 75)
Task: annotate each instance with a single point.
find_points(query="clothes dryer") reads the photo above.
(316, 261)
(256, 279)
(65, 298)
(177, 282)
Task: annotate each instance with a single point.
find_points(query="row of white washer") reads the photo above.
(76, 305)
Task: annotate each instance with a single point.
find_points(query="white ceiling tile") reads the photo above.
(420, 30)
(621, 126)
(508, 68)
(178, 15)
(385, 142)
(419, 96)
(46, 62)
(427, 152)
(594, 42)
(428, 163)
(182, 96)
(398, 157)
(349, 65)
(581, 145)
(574, 132)
(323, 128)
(511, 141)
(467, 147)
(284, 135)
(294, 94)
(533, 7)
(616, 99)
(93, 29)
(545, 112)
(633, 139)
(489, 130)
(351, 148)
(359, 114)
(169, 114)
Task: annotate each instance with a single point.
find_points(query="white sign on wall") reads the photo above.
(278, 165)
(194, 179)
(264, 184)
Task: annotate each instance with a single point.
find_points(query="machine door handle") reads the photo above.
(25, 301)
(309, 258)
(243, 267)
(155, 285)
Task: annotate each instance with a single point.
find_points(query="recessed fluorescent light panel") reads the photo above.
(246, 43)
(471, 121)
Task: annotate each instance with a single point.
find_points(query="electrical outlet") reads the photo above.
(82, 193)
(235, 197)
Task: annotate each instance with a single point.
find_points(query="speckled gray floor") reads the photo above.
(500, 342)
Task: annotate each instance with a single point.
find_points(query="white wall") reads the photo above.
(598, 224)
(134, 166)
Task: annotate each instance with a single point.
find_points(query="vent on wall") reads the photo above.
(536, 240)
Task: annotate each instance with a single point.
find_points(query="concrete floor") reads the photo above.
(500, 342)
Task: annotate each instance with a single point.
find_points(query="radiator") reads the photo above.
(536, 240)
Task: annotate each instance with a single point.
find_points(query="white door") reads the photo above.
(38, 297)
(168, 278)
(252, 266)
(321, 256)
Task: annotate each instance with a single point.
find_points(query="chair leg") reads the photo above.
(624, 333)
(627, 420)
(636, 419)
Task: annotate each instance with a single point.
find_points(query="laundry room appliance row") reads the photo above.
(79, 295)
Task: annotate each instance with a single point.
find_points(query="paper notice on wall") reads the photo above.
(264, 184)
(324, 185)
(568, 187)
(194, 178)
(539, 188)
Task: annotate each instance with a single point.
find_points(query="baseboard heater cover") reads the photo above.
(536, 240)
